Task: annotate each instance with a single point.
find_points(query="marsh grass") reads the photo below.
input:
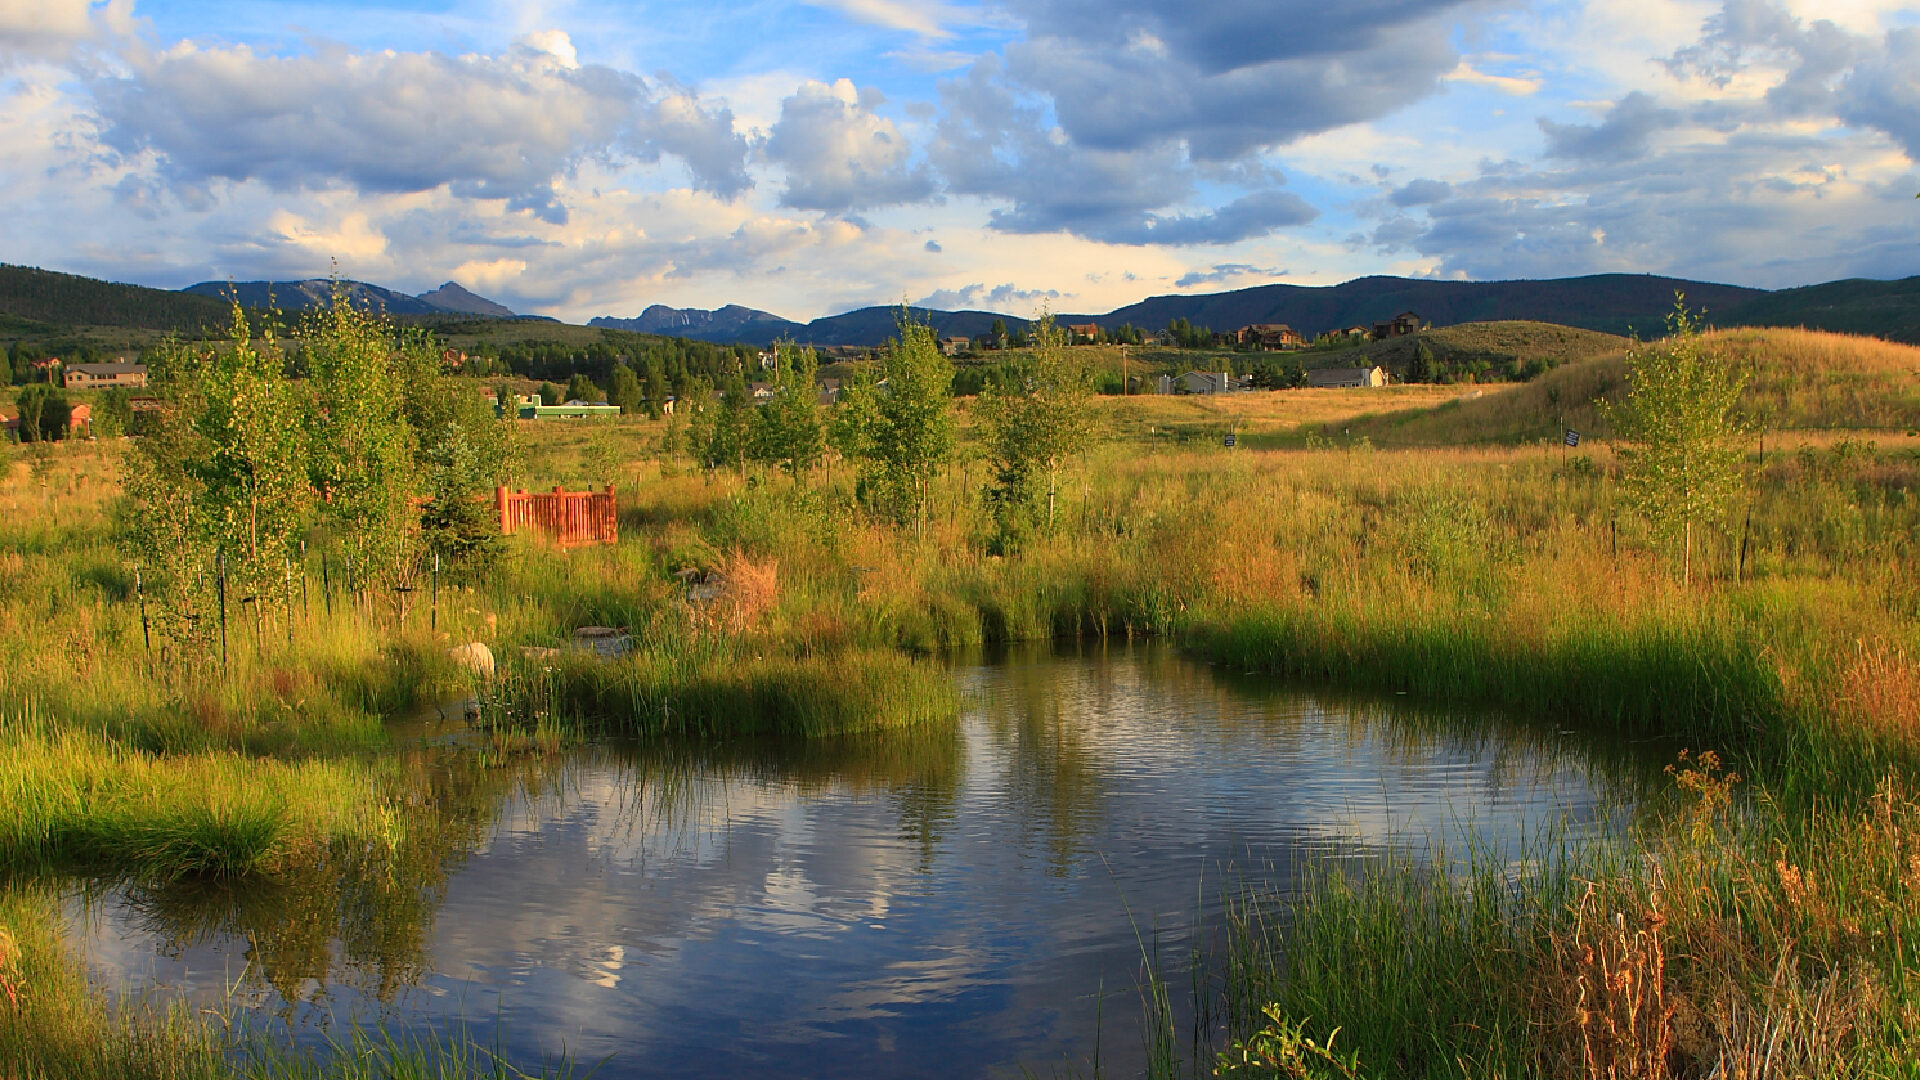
(78, 800)
(1475, 574)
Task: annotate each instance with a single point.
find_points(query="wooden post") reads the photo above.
(220, 561)
(500, 509)
(146, 627)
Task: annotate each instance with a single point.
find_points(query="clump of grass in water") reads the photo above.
(76, 799)
(717, 695)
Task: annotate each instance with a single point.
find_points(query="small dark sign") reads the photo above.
(1233, 440)
(1573, 437)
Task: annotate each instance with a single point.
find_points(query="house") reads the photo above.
(89, 376)
(1083, 333)
(1207, 382)
(1163, 385)
(829, 391)
(572, 410)
(762, 392)
(1399, 326)
(954, 346)
(1336, 377)
(1269, 336)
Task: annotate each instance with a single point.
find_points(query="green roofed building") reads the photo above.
(572, 410)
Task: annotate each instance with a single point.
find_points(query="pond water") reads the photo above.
(966, 903)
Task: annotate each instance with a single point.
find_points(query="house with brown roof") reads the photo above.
(1269, 337)
(1399, 326)
(94, 376)
(1083, 333)
(954, 346)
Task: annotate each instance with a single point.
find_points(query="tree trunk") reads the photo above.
(1686, 557)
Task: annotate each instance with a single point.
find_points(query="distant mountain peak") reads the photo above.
(454, 296)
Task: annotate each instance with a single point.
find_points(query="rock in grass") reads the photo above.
(475, 657)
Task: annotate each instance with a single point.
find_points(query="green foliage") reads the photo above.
(551, 394)
(581, 388)
(462, 452)
(224, 476)
(362, 461)
(909, 431)
(724, 428)
(68, 299)
(1033, 422)
(1188, 336)
(624, 390)
(45, 413)
(787, 431)
(1679, 430)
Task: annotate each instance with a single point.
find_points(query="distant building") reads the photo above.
(1207, 382)
(1269, 336)
(572, 410)
(1399, 326)
(829, 391)
(1083, 333)
(1346, 377)
(1163, 385)
(954, 346)
(762, 392)
(91, 376)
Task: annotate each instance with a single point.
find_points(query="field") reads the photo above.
(1769, 914)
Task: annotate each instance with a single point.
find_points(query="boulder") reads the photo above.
(475, 657)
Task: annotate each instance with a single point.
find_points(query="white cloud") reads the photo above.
(488, 127)
(840, 154)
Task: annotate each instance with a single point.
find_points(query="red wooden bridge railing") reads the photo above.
(570, 518)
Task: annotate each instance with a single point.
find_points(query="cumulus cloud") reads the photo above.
(1825, 71)
(1625, 132)
(977, 297)
(840, 154)
(53, 29)
(1420, 192)
(487, 127)
(1228, 77)
(993, 142)
(1782, 152)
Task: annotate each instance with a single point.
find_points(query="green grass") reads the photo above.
(79, 801)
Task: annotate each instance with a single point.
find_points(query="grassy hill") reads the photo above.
(1503, 347)
(69, 300)
(1889, 309)
(1799, 380)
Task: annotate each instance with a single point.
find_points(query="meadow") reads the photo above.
(1761, 927)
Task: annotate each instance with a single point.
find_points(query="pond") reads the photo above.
(972, 902)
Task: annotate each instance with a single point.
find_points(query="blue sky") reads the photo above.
(578, 159)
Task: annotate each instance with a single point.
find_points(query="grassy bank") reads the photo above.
(764, 605)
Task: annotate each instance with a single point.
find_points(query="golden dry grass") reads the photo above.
(1797, 380)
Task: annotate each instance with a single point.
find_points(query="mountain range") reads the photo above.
(1613, 303)
(448, 299)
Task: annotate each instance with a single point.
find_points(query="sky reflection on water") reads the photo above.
(947, 904)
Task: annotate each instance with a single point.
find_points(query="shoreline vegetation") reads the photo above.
(798, 586)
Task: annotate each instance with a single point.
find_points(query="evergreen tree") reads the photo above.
(624, 390)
